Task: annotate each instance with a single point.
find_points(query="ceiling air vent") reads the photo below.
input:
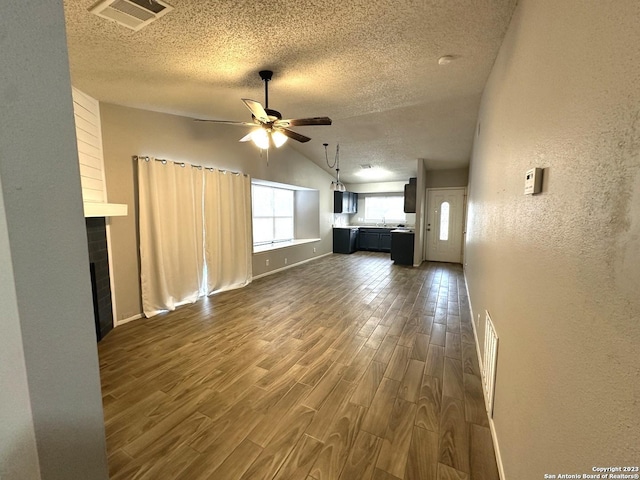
(133, 14)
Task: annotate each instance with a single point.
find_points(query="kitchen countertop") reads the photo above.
(387, 227)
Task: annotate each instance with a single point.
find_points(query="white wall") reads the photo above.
(559, 272)
(18, 452)
(47, 245)
(128, 131)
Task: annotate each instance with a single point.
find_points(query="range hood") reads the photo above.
(102, 209)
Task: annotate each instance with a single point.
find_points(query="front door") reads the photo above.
(445, 221)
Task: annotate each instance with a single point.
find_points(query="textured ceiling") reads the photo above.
(370, 65)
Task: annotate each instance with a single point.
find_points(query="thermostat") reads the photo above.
(533, 181)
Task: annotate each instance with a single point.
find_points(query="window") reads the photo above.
(272, 214)
(384, 209)
(444, 221)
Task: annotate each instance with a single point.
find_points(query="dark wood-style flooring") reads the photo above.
(347, 367)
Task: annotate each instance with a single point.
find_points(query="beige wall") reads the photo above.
(559, 272)
(47, 288)
(456, 177)
(127, 132)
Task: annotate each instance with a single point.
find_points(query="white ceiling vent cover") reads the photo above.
(133, 14)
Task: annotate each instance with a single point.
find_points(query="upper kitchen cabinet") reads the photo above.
(345, 202)
(410, 191)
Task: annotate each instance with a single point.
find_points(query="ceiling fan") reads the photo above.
(268, 125)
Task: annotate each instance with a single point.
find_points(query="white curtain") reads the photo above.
(171, 232)
(227, 225)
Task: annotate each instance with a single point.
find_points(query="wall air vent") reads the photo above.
(133, 14)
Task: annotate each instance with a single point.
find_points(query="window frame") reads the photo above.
(274, 217)
(398, 197)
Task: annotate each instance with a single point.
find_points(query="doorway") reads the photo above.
(444, 224)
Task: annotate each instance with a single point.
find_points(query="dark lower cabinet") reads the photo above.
(385, 242)
(376, 239)
(345, 240)
(402, 248)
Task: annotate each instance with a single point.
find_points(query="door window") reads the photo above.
(444, 221)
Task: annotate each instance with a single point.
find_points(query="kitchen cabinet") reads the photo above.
(345, 240)
(376, 239)
(345, 202)
(410, 193)
(402, 247)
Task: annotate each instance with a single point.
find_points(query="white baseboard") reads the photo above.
(492, 427)
(117, 323)
(290, 266)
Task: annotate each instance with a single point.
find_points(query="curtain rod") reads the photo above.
(183, 164)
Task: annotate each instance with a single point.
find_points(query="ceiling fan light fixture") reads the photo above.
(260, 138)
(278, 138)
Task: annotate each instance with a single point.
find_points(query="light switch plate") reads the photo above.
(533, 181)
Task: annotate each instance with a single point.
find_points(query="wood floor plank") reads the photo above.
(398, 363)
(378, 335)
(360, 463)
(288, 373)
(236, 464)
(445, 472)
(397, 438)
(151, 467)
(428, 411)
(265, 429)
(301, 459)
(474, 406)
(411, 382)
(482, 455)
(377, 417)
(453, 320)
(320, 426)
(368, 385)
(422, 461)
(359, 364)
(216, 446)
(342, 436)
(420, 347)
(438, 334)
(453, 347)
(386, 349)
(285, 437)
(325, 386)
(425, 324)
(454, 435)
(158, 433)
(280, 368)
(470, 359)
(382, 475)
(434, 365)
(118, 460)
(452, 384)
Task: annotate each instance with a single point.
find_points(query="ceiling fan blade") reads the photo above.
(227, 122)
(247, 137)
(294, 135)
(257, 110)
(301, 122)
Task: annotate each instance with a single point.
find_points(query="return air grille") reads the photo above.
(133, 14)
(489, 362)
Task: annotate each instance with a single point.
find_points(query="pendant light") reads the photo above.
(336, 185)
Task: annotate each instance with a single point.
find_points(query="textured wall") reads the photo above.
(129, 131)
(48, 244)
(18, 452)
(559, 272)
(457, 177)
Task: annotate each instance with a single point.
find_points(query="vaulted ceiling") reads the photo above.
(370, 65)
